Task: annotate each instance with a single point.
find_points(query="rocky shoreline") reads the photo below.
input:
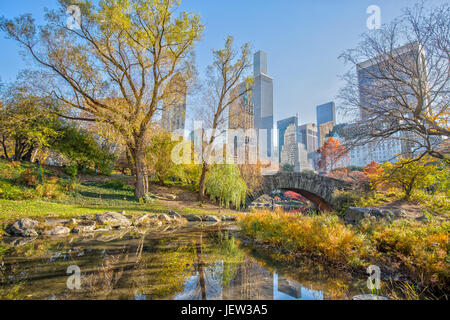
(109, 221)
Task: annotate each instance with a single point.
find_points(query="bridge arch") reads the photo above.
(316, 188)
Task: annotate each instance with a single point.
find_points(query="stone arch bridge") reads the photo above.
(316, 188)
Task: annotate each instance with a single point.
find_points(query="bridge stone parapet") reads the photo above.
(316, 188)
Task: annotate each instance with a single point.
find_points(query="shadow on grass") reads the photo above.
(108, 196)
(132, 208)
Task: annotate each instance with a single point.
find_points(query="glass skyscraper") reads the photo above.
(282, 125)
(326, 118)
(262, 97)
(256, 110)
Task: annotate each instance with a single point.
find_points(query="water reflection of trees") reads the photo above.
(200, 264)
(177, 264)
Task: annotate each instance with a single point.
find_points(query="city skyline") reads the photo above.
(305, 70)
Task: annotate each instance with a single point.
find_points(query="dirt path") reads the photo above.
(176, 198)
(411, 210)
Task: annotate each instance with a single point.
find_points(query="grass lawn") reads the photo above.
(89, 198)
(91, 195)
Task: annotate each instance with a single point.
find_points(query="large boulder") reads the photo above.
(164, 218)
(57, 231)
(174, 215)
(24, 227)
(85, 216)
(113, 219)
(83, 229)
(85, 226)
(212, 219)
(193, 218)
(354, 215)
(142, 221)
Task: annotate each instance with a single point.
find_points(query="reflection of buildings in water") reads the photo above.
(289, 287)
(252, 282)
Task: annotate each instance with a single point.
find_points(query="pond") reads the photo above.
(190, 263)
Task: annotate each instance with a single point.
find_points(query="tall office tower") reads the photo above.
(308, 136)
(293, 152)
(376, 88)
(174, 104)
(240, 116)
(378, 151)
(326, 120)
(262, 97)
(282, 125)
(289, 150)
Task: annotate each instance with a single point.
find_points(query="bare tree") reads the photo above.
(225, 74)
(401, 88)
(113, 67)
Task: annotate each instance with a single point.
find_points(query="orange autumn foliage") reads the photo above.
(332, 155)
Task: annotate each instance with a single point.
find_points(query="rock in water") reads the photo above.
(142, 221)
(57, 231)
(29, 233)
(83, 229)
(113, 219)
(24, 227)
(164, 218)
(192, 218)
(85, 226)
(175, 215)
(212, 219)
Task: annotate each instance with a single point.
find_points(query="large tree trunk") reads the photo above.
(28, 154)
(140, 172)
(130, 162)
(141, 177)
(5, 148)
(201, 184)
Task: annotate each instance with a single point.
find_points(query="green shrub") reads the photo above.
(116, 184)
(436, 204)
(342, 200)
(83, 150)
(10, 192)
(71, 170)
(51, 190)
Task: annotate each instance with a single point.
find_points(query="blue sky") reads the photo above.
(303, 39)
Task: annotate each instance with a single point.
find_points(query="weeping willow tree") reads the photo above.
(225, 185)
